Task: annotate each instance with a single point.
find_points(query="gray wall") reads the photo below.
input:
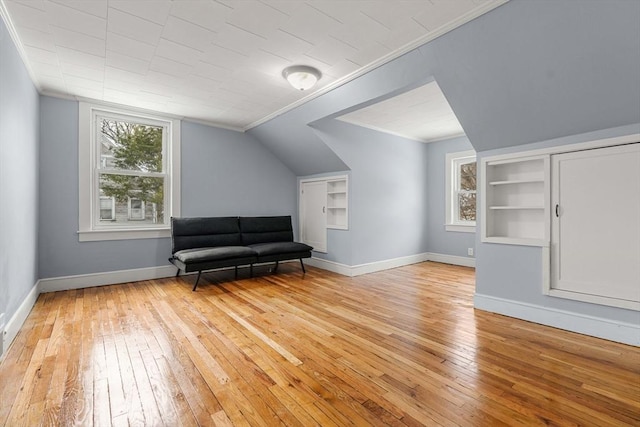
(388, 193)
(231, 173)
(441, 241)
(18, 178)
(223, 173)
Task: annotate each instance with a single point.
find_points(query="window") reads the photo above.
(461, 174)
(107, 208)
(136, 210)
(129, 174)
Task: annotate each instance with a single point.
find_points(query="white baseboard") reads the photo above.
(66, 283)
(80, 281)
(626, 333)
(17, 320)
(324, 264)
(372, 267)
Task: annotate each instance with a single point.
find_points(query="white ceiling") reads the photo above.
(422, 114)
(217, 61)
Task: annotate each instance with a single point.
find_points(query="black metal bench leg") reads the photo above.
(275, 269)
(197, 280)
(250, 270)
(178, 273)
(302, 265)
(236, 268)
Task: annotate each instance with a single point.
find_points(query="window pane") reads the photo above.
(467, 206)
(139, 199)
(106, 208)
(468, 176)
(129, 146)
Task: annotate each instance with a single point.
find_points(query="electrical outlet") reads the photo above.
(470, 251)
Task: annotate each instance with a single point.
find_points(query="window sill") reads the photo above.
(460, 228)
(123, 234)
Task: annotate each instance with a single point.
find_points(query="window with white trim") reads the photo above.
(129, 173)
(461, 184)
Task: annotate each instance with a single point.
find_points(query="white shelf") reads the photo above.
(515, 206)
(337, 203)
(518, 181)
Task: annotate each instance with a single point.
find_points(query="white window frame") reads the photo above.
(89, 159)
(452, 166)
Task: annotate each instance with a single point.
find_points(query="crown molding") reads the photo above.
(4, 14)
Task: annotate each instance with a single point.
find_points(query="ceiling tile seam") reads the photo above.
(179, 44)
(195, 24)
(472, 14)
(344, 42)
(66, 6)
(111, 6)
(274, 8)
(297, 37)
(59, 3)
(324, 13)
(231, 50)
(317, 59)
(223, 4)
(39, 47)
(79, 32)
(375, 20)
(245, 30)
(419, 23)
(275, 54)
(204, 61)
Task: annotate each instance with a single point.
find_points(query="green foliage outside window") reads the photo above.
(137, 149)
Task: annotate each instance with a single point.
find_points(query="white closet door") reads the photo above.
(313, 214)
(595, 241)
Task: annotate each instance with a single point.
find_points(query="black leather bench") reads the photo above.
(208, 243)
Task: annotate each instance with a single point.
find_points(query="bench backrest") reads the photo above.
(265, 229)
(206, 232)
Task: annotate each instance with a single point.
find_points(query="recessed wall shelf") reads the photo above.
(337, 203)
(515, 206)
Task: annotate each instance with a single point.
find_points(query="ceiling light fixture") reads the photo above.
(301, 77)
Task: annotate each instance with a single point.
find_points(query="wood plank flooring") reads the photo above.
(403, 347)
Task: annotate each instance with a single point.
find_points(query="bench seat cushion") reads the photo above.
(277, 248)
(191, 256)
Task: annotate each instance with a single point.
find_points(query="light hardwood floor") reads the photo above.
(399, 347)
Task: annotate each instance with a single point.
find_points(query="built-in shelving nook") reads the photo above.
(516, 208)
(337, 203)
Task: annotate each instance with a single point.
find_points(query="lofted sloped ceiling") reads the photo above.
(422, 114)
(526, 72)
(217, 61)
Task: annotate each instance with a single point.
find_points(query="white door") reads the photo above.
(595, 224)
(313, 214)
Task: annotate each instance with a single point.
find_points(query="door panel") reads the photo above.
(595, 242)
(313, 216)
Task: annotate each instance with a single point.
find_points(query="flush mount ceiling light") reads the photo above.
(301, 77)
